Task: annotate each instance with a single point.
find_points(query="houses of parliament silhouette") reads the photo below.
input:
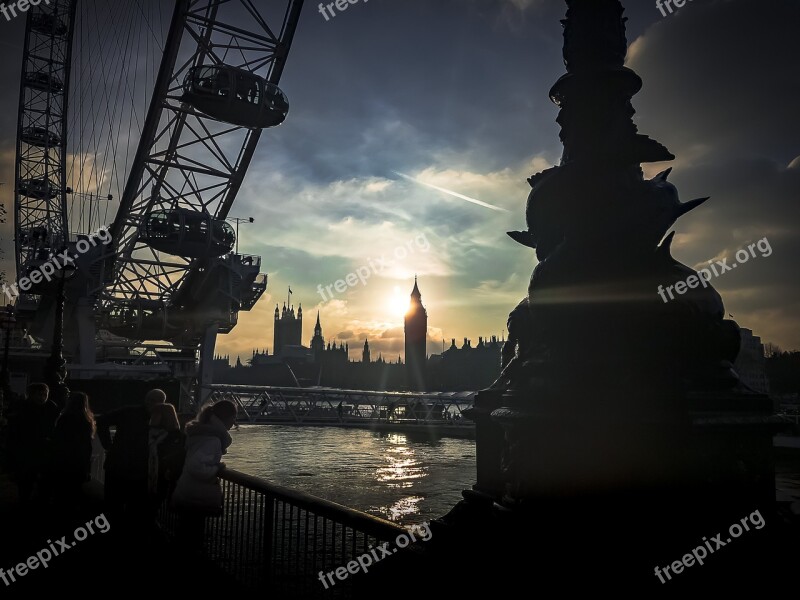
(328, 364)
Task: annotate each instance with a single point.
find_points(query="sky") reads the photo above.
(454, 94)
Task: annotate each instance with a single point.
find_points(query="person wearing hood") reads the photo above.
(198, 493)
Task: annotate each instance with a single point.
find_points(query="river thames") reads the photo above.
(401, 477)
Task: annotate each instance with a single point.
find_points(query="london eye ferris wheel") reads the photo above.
(141, 118)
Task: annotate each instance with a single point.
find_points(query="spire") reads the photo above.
(415, 293)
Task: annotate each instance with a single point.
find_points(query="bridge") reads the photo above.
(320, 406)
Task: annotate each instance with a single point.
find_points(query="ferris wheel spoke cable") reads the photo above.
(111, 60)
(87, 147)
(110, 114)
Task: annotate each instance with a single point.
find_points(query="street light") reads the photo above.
(238, 220)
(56, 366)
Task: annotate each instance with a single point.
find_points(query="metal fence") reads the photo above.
(272, 538)
(277, 539)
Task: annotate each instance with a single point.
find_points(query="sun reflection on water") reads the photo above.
(401, 470)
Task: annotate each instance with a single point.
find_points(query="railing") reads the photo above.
(276, 539)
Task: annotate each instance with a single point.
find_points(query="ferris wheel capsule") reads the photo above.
(235, 96)
(185, 232)
(138, 319)
(40, 136)
(42, 81)
(39, 188)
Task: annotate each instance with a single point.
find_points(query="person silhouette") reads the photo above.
(71, 452)
(126, 465)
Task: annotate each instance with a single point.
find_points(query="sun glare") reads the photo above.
(398, 304)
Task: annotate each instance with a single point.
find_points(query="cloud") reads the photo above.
(716, 74)
(727, 108)
(719, 90)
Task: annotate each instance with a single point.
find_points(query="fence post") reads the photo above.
(269, 516)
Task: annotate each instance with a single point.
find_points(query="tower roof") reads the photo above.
(415, 293)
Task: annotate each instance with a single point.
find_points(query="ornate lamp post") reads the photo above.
(56, 366)
(610, 397)
(8, 320)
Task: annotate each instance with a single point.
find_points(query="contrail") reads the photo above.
(452, 193)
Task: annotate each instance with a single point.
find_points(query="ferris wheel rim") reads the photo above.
(40, 161)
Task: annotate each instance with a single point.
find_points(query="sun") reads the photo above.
(398, 305)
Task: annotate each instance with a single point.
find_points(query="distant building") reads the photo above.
(783, 374)
(467, 368)
(328, 363)
(260, 358)
(288, 329)
(330, 357)
(365, 357)
(221, 362)
(317, 342)
(416, 335)
(751, 364)
(333, 364)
